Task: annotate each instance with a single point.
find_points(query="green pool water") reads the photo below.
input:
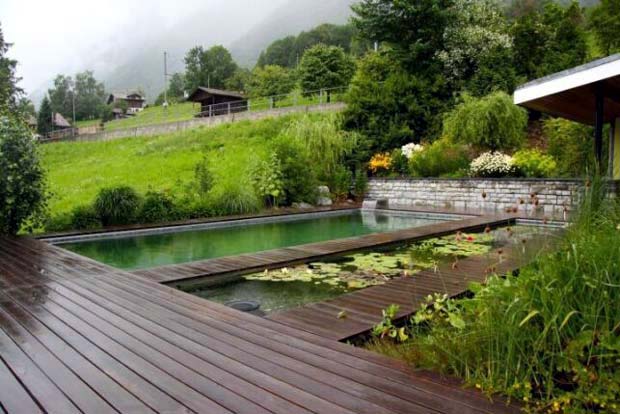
(317, 281)
(145, 251)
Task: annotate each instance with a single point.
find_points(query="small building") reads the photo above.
(135, 101)
(60, 122)
(32, 122)
(218, 102)
(588, 94)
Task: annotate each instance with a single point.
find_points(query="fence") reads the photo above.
(296, 98)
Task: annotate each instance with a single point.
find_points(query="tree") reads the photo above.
(549, 41)
(325, 67)
(25, 107)
(392, 107)
(492, 122)
(89, 96)
(22, 181)
(281, 52)
(61, 96)
(270, 80)
(176, 90)
(9, 91)
(44, 118)
(605, 24)
(474, 40)
(412, 29)
(239, 80)
(210, 67)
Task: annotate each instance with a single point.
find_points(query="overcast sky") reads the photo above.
(65, 36)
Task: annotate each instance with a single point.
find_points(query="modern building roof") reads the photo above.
(215, 92)
(571, 93)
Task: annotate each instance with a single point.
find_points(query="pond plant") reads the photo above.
(549, 337)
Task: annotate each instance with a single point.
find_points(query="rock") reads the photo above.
(302, 206)
(323, 199)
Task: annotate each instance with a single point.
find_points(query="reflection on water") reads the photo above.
(141, 252)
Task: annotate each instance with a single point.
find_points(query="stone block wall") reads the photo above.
(529, 195)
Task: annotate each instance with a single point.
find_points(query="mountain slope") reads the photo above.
(290, 19)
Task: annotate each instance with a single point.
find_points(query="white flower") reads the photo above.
(492, 164)
(410, 149)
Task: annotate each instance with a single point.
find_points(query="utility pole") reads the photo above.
(165, 79)
(73, 104)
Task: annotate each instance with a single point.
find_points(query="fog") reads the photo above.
(66, 36)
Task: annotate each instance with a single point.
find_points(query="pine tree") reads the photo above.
(44, 120)
(9, 91)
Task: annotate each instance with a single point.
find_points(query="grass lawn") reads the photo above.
(88, 123)
(155, 115)
(78, 170)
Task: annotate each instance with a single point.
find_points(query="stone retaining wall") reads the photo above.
(544, 196)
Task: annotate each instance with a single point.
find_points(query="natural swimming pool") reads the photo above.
(285, 288)
(165, 247)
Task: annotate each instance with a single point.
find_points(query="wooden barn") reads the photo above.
(218, 102)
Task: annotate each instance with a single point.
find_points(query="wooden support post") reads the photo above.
(228, 108)
(614, 150)
(599, 122)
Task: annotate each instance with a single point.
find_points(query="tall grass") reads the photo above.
(550, 336)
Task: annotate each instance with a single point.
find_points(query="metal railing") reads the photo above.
(296, 98)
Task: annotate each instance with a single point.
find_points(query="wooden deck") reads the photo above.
(271, 259)
(363, 308)
(78, 336)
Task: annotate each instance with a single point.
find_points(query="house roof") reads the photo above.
(571, 93)
(125, 95)
(60, 121)
(216, 92)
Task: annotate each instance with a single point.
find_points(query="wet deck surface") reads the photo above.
(271, 259)
(79, 336)
(362, 308)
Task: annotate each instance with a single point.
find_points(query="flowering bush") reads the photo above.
(493, 164)
(410, 149)
(380, 163)
(440, 159)
(534, 163)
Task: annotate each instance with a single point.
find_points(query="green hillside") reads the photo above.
(78, 170)
(156, 115)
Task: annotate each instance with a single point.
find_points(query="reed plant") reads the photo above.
(549, 337)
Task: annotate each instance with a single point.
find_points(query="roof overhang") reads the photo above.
(571, 93)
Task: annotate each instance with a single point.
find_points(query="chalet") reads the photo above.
(218, 102)
(135, 101)
(60, 122)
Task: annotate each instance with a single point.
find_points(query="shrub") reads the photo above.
(157, 207)
(493, 164)
(548, 336)
(232, 199)
(22, 182)
(570, 144)
(85, 218)
(441, 158)
(380, 164)
(400, 162)
(299, 179)
(340, 183)
(492, 122)
(117, 205)
(360, 184)
(203, 176)
(410, 149)
(266, 178)
(533, 163)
